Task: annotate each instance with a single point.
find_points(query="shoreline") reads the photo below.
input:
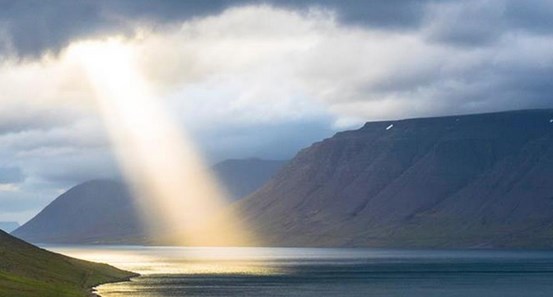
(92, 292)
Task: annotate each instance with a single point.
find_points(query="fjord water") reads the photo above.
(175, 271)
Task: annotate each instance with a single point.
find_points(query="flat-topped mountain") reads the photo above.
(459, 181)
(26, 270)
(104, 211)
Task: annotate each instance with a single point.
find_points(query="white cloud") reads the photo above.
(9, 188)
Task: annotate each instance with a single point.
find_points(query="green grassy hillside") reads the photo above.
(26, 270)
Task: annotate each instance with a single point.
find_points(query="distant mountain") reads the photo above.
(460, 181)
(99, 211)
(103, 211)
(241, 177)
(8, 226)
(26, 270)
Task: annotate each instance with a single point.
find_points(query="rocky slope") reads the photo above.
(460, 181)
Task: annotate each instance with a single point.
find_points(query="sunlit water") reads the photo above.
(170, 271)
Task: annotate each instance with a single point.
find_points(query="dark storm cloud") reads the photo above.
(479, 23)
(391, 14)
(32, 27)
(532, 15)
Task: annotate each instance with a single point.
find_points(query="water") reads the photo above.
(170, 271)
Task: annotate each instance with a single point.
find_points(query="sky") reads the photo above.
(254, 78)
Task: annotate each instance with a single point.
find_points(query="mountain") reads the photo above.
(8, 226)
(26, 270)
(466, 181)
(103, 211)
(459, 181)
(98, 211)
(241, 177)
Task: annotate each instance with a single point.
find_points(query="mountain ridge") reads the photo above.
(389, 182)
(103, 211)
(463, 181)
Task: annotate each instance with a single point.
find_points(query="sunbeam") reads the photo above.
(180, 200)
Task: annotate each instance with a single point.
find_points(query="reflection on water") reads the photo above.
(176, 260)
(174, 271)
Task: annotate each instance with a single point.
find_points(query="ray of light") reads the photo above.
(180, 200)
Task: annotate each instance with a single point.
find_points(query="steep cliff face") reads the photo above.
(460, 181)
